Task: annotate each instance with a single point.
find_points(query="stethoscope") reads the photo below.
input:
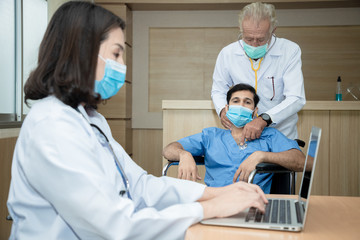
(81, 110)
(252, 64)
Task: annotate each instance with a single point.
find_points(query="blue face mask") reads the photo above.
(113, 80)
(255, 52)
(239, 115)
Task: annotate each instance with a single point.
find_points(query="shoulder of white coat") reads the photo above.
(50, 108)
(230, 48)
(286, 44)
(51, 117)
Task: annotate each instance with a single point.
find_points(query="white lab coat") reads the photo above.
(283, 62)
(65, 184)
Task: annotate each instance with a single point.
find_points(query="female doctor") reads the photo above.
(70, 178)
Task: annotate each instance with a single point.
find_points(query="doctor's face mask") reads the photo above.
(255, 52)
(113, 80)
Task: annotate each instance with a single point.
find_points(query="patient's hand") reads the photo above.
(247, 166)
(187, 167)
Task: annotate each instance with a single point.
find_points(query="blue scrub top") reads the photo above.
(223, 156)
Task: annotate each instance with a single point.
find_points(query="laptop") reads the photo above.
(281, 213)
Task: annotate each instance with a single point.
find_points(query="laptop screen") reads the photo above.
(309, 169)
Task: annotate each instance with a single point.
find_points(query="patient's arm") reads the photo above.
(187, 166)
(292, 159)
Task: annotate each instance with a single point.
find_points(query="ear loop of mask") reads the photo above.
(101, 58)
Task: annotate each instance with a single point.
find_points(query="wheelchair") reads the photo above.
(283, 180)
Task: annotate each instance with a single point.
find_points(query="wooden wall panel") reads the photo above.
(147, 146)
(345, 153)
(122, 133)
(181, 60)
(320, 119)
(327, 52)
(119, 106)
(161, 5)
(121, 10)
(128, 58)
(7, 146)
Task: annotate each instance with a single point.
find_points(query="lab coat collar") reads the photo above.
(274, 51)
(83, 112)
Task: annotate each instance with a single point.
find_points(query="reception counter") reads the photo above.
(338, 169)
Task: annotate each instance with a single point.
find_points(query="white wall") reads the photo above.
(34, 26)
(7, 59)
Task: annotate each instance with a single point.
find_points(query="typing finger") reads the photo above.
(259, 191)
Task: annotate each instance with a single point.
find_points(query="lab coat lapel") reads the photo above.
(244, 75)
(269, 58)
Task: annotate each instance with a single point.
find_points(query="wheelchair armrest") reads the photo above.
(301, 143)
(267, 168)
(200, 160)
(271, 167)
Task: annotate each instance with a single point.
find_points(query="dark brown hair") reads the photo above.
(242, 87)
(68, 54)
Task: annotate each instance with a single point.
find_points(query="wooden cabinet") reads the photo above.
(146, 5)
(338, 168)
(7, 145)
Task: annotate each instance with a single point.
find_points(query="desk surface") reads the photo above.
(329, 217)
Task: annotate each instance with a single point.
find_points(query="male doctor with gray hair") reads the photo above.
(270, 64)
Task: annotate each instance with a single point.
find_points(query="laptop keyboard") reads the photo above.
(276, 211)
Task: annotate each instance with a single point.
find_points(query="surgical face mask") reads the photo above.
(113, 80)
(255, 52)
(239, 115)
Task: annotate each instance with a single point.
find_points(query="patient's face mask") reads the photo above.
(239, 115)
(113, 80)
(255, 52)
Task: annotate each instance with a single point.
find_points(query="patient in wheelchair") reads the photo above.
(228, 161)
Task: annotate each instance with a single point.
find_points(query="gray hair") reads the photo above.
(259, 11)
